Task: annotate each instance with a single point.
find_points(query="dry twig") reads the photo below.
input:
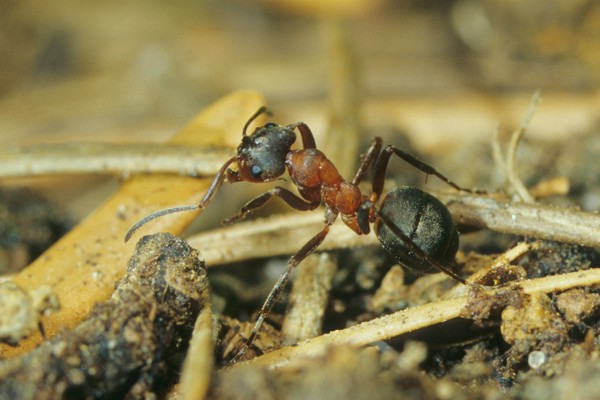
(278, 235)
(104, 158)
(309, 297)
(529, 220)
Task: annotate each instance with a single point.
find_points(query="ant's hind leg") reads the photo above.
(382, 163)
(290, 198)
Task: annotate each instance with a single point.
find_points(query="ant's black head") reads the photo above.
(261, 156)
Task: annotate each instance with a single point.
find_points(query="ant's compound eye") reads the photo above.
(270, 125)
(256, 171)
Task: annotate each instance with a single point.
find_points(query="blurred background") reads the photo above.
(437, 77)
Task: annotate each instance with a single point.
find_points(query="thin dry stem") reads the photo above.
(507, 164)
(309, 297)
(274, 236)
(106, 158)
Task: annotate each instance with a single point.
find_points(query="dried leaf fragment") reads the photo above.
(84, 265)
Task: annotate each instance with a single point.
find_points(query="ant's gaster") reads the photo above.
(412, 225)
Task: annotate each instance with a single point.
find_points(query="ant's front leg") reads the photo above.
(384, 158)
(290, 198)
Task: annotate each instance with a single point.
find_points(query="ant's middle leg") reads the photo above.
(290, 198)
(293, 262)
(367, 161)
(384, 158)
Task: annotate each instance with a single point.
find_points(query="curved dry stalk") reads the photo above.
(411, 319)
(508, 164)
(511, 172)
(110, 158)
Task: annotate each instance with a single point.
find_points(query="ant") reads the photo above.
(412, 225)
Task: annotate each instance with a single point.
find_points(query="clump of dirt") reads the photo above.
(128, 344)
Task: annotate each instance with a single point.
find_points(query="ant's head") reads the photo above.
(261, 156)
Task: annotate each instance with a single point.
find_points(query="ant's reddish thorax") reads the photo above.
(310, 170)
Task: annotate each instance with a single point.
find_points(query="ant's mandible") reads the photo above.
(412, 225)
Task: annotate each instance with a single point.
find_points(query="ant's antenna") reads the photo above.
(260, 111)
(155, 215)
(212, 189)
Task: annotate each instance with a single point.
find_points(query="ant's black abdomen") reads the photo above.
(422, 218)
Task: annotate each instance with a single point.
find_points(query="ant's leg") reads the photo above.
(290, 198)
(308, 140)
(382, 163)
(368, 160)
(296, 259)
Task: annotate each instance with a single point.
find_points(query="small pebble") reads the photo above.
(536, 359)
